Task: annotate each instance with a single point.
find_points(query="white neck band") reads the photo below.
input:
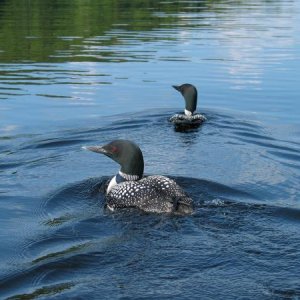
(188, 113)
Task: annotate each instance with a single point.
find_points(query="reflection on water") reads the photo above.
(76, 73)
(71, 56)
(128, 31)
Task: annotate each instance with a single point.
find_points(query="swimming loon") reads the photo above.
(129, 188)
(189, 118)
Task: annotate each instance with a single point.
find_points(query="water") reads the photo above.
(87, 72)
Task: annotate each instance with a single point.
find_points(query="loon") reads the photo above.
(189, 119)
(128, 188)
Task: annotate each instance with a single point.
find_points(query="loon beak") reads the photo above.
(97, 149)
(176, 87)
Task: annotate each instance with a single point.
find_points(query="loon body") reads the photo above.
(129, 188)
(188, 119)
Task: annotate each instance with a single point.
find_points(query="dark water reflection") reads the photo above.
(132, 31)
(76, 73)
(70, 56)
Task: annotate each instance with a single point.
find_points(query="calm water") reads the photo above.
(76, 73)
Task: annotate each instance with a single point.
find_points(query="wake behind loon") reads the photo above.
(129, 188)
(189, 119)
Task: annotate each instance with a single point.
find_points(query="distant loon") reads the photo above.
(129, 188)
(189, 117)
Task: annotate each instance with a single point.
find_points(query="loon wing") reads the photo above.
(151, 194)
(179, 119)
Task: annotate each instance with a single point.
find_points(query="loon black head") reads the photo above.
(189, 92)
(124, 152)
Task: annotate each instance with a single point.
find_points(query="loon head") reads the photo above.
(126, 153)
(189, 92)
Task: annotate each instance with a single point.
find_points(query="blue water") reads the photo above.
(89, 72)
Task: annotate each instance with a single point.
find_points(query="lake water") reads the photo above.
(75, 73)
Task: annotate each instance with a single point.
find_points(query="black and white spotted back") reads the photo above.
(152, 194)
(184, 119)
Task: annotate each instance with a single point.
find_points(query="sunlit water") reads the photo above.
(84, 73)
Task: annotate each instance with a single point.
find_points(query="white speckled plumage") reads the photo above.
(152, 194)
(129, 188)
(182, 118)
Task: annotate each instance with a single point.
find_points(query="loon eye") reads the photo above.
(114, 149)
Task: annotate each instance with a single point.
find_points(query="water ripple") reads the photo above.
(67, 84)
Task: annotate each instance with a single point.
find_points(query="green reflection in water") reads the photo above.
(50, 290)
(86, 30)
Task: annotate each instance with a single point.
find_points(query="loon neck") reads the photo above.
(127, 177)
(119, 178)
(188, 113)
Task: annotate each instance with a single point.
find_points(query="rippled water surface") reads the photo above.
(75, 73)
